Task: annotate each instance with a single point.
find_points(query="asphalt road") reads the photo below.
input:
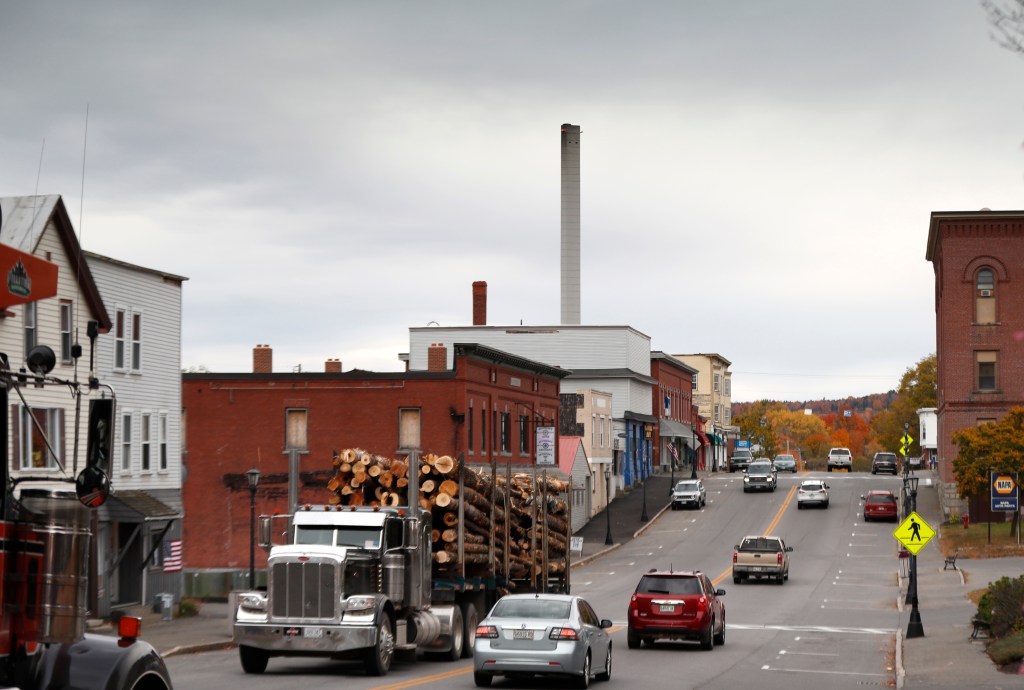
(833, 624)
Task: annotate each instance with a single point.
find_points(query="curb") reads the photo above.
(197, 648)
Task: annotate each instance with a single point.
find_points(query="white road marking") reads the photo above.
(814, 628)
(808, 653)
(831, 673)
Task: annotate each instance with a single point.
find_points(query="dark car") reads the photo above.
(676, 605)
(884, 462)
(760, 476)
(740, 459)
(880, 505)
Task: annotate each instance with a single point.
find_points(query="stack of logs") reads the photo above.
(361, 478)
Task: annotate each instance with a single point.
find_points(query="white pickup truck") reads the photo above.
(840, 459)
(761, 556)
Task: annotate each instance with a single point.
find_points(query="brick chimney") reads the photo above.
(332, 366)
(480, 303)
(262, 359)
(437, 357)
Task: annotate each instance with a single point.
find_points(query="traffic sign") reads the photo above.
(913, 533)
(1005, 492)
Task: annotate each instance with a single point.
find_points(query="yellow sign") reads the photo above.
(1003, 484)
(913, 533)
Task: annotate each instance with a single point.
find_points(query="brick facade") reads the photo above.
(238, 421)
(959, 246)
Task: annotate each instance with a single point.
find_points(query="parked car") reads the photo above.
(676, 605)
(760, 476)
(812, 492)
(884, 462)
(880, 505)
(543, 634)
(740, 459)
(785, 462)
(689, 492)
(840, 459)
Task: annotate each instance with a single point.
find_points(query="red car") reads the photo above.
(676, 605)
(880, 505)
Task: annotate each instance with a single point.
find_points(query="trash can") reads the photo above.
(167, 606)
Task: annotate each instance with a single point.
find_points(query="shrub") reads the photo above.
(188, 608)
(1002, 606)
(1007, 650)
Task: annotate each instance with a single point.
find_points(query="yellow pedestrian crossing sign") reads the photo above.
(913, 533)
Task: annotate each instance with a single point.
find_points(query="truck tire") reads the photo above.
(458, 636)
(377, 659)
(470, 619)
(253, 660)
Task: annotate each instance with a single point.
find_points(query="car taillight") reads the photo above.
(563, 634)
(779, 556)
(486, 631)
(735, 555)
(702, 603)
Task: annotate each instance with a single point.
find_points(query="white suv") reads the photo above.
(840, 458)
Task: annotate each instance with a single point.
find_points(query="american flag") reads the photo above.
(172, 555)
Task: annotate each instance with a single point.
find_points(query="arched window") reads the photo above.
(984, 296)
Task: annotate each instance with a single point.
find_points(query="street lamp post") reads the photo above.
(643, 469)
(608, 505)
(253, 476)
(914, 627)
(672, 462)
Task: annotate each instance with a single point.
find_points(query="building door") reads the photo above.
(128, 576)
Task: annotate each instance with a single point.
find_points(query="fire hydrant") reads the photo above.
(967, 520)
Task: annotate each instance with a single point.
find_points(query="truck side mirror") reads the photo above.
(99, 443)
(92, 487)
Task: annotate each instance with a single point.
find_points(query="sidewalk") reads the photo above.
(945, 657)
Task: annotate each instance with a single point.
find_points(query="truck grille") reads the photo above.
(303, 590)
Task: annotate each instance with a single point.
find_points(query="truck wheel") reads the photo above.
(458, 636)
(377, 659)
(482, 680)
(253, 660)
(470, 618)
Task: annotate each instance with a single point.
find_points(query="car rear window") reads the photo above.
(840, 451)
(530, 608)
(686, 486)
(881, 499)
(653, 584)
(760, 544)
(810, 487)
(885, 456)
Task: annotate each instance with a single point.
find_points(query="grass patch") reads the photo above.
(1007, 650)
(973, 542)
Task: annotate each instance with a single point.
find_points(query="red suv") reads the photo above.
(880, 505)
(676, 606)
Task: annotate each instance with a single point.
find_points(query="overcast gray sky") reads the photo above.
(757, 177)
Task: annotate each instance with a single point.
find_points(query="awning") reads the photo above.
(703, 438)
(137, 506)
(715, 439)
(667, 427)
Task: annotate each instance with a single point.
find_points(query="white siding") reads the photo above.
(156, 388)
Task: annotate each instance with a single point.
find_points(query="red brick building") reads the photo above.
(487, 406)
(672, 404)
(979, 319)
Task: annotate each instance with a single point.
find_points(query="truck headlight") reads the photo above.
(359, 603)
(255, 601)
(746, 480)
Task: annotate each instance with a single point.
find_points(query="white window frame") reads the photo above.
(120, 337)
(126, 441)
(145, 432)
(162, 440)
(31, 330)
(67, 314)
(53, 429)
(136, 341)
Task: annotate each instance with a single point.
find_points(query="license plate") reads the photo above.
(313, 632)
(667, 608)
(522, 634)
(757, 568)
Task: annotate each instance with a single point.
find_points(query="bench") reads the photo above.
(951, 561)
(980, 626)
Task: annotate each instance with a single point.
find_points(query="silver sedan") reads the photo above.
(542, 634)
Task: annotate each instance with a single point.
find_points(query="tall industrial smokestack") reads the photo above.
(570, 224)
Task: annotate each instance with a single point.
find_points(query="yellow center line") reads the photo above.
(413, 682)
(771, 526)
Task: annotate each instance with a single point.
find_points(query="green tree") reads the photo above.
(755, 425)
(995, 446)
(917, 389)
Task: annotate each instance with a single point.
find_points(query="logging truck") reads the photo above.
(405, 557)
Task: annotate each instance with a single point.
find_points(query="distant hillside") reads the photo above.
(866, 405)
